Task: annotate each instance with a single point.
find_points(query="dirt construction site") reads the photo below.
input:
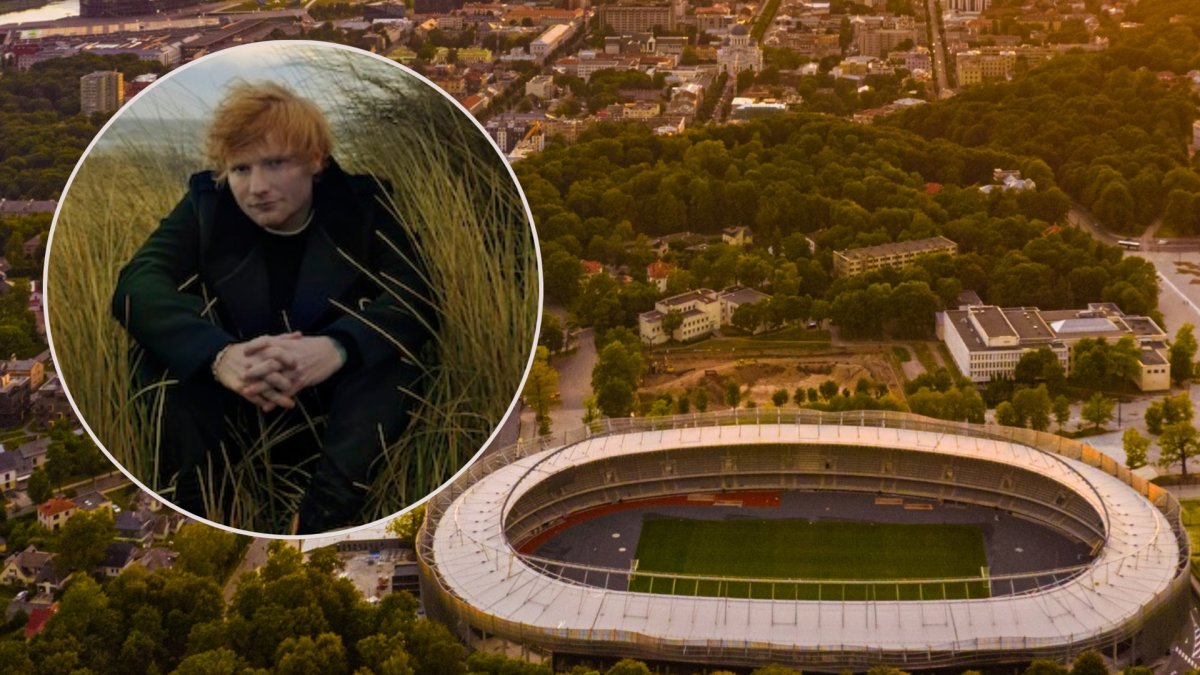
(761, 376)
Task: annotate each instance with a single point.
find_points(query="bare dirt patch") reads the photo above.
(759, 378)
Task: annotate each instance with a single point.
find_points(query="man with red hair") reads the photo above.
(279, 289)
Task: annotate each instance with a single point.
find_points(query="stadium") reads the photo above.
(824, 542)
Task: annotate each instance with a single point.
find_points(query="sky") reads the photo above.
(317, 70)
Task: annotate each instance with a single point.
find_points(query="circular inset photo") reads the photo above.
(292, 287)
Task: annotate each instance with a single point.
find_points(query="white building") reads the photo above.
(739, 52)
(548, 41)
(703, 311)
(986, 341)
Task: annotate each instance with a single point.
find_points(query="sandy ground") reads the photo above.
(762, 377)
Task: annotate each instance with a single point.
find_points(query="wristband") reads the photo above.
(217, 360)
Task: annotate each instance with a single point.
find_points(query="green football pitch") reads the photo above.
(799, 549)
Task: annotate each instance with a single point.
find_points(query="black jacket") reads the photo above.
(199, 282)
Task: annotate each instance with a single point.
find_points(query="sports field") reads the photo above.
(799, 549)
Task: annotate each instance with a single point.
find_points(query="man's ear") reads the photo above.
(318, 167)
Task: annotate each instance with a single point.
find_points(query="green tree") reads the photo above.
(628, 667)
(733, 394)
(306, 656)
(912, 309)
(82, 540)
(541, 389)
(1032, 406)
(434, 649)
(1041, 365)
(1183, 354)
(551, 336)
(828, 389)
(1062, 411)
(1168, 410)
(385, 655)
(406, 525)
(1089, 663)
(1098, 410)
(219, 661)
(779, 398)
(206, 551)
(671, 322)
(774, 669)
(614, 379)
(1046, 667)
(1178, 443)
(700, 399)
(1006, 415)
(1136, 446)
(39, 486)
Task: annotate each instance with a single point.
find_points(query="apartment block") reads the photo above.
(858, 260)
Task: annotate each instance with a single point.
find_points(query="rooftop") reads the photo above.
(701, 294)
(894, 248)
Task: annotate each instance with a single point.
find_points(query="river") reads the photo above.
(55, 10)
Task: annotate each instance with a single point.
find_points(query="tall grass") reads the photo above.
(453, 196)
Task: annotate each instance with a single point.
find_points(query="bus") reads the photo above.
(1129, 244)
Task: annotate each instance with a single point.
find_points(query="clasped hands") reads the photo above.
(270, 370)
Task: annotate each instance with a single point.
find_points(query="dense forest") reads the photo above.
(796, 179)
(1113, 131)
(42, 133)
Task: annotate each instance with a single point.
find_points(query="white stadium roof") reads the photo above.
(478, 565)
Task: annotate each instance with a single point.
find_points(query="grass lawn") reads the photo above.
(1191, 523)
(798, 549)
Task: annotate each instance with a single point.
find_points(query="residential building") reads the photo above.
(737, 236)
(1008, 179)
(22, 568)
(541, 86)
(55, 512)
(736, 296)
(633, 17)
(92, 501)
(858, 260)
(880, 42)
(10, 470)
(716, 19)
(33, 453)
(986, 341)
(34, 369)
(118, 556)
(969, 6)
(703, 311)
(974, 66)
(101, 92)
(14, 399)
(656, 273)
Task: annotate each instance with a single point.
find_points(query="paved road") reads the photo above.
(574, 385)
(937, 51)
(1185, 655)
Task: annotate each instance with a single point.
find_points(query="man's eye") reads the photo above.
(276, 162)
(239, 168)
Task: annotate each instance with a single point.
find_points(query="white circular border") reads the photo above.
(537, 332)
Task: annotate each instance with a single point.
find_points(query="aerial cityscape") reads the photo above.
(867, 345)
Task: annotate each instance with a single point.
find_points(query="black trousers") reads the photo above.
(327, 446)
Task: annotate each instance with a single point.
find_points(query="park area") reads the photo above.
(802, 549)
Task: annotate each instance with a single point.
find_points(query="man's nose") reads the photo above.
(258, 180)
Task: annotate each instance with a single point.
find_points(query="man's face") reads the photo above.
(273, 185)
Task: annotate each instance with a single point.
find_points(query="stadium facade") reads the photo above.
(479, 576)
